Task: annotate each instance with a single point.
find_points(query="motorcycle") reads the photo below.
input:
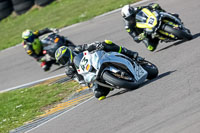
(162, 25)
(113, 70)
(51, 42)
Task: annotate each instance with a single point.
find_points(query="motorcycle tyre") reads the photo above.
(151, 69)
(120, 83)
(178, 32)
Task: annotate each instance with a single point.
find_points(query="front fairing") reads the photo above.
(98, 58)
(84, 66)
(145, 19)
(113, 57)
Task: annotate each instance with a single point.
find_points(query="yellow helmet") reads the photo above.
(64, 55)
(28, 36)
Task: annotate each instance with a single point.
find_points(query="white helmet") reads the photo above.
(128, 12)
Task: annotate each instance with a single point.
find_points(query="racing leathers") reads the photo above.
(107, 46)
(35, 48)
(139, 34)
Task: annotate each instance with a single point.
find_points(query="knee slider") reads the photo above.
(108, 41)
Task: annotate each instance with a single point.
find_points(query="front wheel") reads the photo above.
(181, 34)
(151, 69)
(118, 82)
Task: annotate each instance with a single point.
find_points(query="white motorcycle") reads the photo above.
(113, 70)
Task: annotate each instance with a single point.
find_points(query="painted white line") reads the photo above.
(65, 28)
(102, 15)
(116, 10)
(31, 83)
(10, 48)
(60, 114)
(74, 25)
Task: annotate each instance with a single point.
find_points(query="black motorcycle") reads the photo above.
(162, 25)
(51, 43)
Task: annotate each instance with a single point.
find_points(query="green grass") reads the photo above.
(20, 106)
(59, 14)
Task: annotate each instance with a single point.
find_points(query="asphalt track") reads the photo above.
(168, 104)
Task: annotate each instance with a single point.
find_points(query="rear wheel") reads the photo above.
(118, 81)
(151, 69)
(178, 32)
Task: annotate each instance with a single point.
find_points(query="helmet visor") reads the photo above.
(130, 18)
(30, 39)
(66, 57)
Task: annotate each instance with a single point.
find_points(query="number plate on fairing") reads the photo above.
(85, 63)
(140, 73)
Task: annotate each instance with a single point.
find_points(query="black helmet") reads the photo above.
(128, 12)
(64, 55)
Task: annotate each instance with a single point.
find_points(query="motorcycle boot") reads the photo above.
(101, 98)
(45, 66)
(100, 92)
(175, 15)
(151, 44)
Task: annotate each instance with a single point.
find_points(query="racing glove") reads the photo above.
(70, 72)
(141, 36)
(139, 59)
(156, 6)
(54, 30)
(90, 47)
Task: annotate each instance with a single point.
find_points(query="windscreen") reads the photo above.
(77, 60)
(141, 17)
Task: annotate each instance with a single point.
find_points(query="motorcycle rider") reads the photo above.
(65, 56)
(34, 46)
(129, 13)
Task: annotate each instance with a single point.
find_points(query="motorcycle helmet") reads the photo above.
(28, 36)
(128, 13)
(64, 55)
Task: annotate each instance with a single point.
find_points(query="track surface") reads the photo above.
(170, 103)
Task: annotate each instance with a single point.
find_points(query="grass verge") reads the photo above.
(59, 14)
(20, 106)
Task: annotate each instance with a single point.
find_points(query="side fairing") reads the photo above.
(97, 59)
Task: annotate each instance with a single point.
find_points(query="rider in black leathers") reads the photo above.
(129, 13)
(65, 56)
(34, 46)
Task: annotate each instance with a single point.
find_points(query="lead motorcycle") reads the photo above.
(51, 42)
(162, 25)
(113, 70)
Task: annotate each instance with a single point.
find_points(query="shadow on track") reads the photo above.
(179, 42)
(157, 78)
(145, 83)
(174, 44)
(57, 69)
(196, 35)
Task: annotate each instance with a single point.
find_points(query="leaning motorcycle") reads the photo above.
(51, 42)
(113, 70)
(162, 25)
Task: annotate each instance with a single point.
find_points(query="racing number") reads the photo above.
(151, 20)
(139, 72)
(83, 63)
